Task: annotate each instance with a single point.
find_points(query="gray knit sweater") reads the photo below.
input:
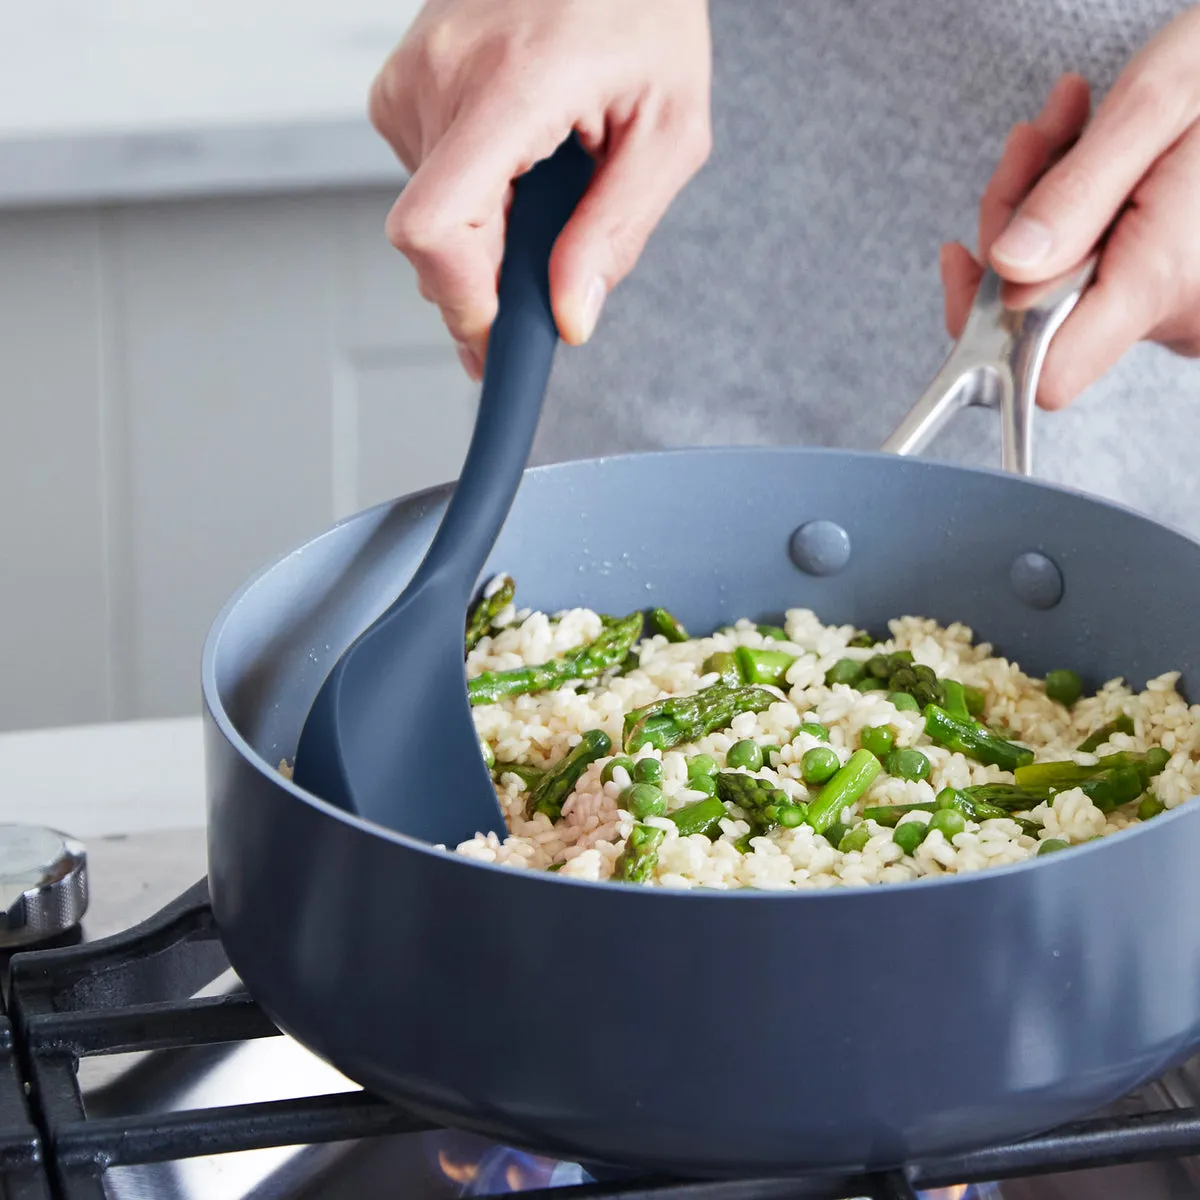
(792, 294)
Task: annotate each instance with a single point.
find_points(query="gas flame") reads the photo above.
(460, 1172)
(957, 1192)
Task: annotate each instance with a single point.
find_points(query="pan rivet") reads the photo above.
(820, 548)
(1036, 580)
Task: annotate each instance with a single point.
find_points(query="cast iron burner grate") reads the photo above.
(137, 991)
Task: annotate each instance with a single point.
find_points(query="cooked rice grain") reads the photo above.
(589, 837)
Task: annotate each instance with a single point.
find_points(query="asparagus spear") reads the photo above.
(889, 814)
(529, 776)
(773, 632)
(1006, 796)
(976, 809)
(496, 597)
(1150, 807)
(678, 719)
(1121, 785)
(1096, 739)
(974, 740)
(704, 816)
(725, 665)
(1060, 775)
(850, 782)
(661, 621)
(559, 782)
(640, 856)
(764, 804)
(610, 648)
(762, 666)
(962, 701)
(919, 681)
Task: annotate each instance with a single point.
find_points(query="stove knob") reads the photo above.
(43, 884)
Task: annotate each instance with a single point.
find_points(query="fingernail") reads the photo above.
(469, 360)
(1024, 243)
(593, 302)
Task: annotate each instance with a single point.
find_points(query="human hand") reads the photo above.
(480, 90)
(1134, 167)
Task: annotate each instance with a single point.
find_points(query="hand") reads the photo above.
(1137, 163)
(480, 90)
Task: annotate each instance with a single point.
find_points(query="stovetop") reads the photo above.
(141, 1070)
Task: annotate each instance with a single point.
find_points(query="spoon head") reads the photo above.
(390, 735)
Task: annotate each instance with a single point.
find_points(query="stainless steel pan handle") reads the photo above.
(996, 363)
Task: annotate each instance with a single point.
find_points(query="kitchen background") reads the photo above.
(208, 350)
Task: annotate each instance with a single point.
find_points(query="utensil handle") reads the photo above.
(996, 363)
(520, 354)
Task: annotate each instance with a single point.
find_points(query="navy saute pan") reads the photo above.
(717, 1033)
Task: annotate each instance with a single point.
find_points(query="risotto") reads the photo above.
(804, 756)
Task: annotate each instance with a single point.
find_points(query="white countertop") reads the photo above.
(96, 780)
(110, 100)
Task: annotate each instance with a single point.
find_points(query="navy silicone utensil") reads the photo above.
(390, 734)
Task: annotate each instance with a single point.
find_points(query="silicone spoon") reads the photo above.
(390, 734)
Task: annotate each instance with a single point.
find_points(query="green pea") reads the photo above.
(879, 739)
(772, 633)
(1150, 807)
(1064, 686)
(903, 702)
(745, 753)
(702, 764)
(846, 670)
(703, 783)
(862, 641)
(907, 764)
(819, 764)
(1157, 759)
(768, 748)
(489, 755)
(856, 839)
(724, 664)
(814, 729)
(870, 684)
(946, 798)
(949, 820)
(647, 770)
(909, 835)
(643, 800)
(1052, 846)
(835, 833)
(613, 763)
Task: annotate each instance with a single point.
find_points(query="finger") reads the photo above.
(961, 274)
(449, 220)
(385, 114)
(1145, 284)
(1066, 110)
(646, 164)
(1030, 148)
(1026, 154)
(1148, 110)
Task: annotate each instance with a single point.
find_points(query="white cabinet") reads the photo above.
(186, 390)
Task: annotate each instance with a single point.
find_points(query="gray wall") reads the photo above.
(186, 390)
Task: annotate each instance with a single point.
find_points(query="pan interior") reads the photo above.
(706, 533)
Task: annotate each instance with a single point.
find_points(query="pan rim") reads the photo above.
(215, 712)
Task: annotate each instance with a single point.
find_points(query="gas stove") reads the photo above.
(134, 1066)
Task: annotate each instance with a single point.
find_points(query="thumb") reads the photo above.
(646, 165)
